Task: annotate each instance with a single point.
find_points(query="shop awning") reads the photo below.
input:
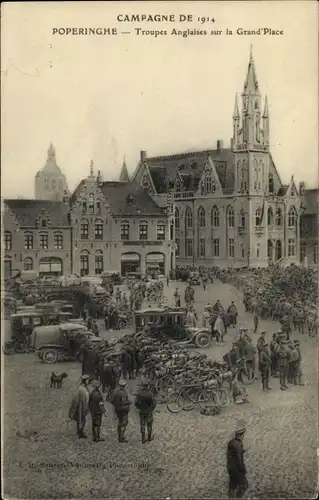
(155, 257)
(130, 257)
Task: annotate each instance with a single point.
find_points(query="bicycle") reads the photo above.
(191, 395)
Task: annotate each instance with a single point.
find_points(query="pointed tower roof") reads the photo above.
(251, 83)
(236, 109)
(266, 112)
(51, 166)
(91, 169)
(124, 177)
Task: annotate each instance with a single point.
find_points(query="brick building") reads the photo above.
(231, 207)
(36, 237)
(309, 223)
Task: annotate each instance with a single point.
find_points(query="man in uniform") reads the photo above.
(298, 363)
(264, 366)
(241, 343)
(79, 406)
(233, 313)
(294, 363)
(273, 354)
(121, 405)
(283, 365)
(145, 403)
(260, 342)
(256, 322)
(97, 409)
(235, 463)
(290, 362)
(249, 355)
(232, 356)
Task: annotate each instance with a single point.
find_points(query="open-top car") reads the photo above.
(60, 342)
(171, 323)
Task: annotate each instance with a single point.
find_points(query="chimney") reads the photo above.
(220, 145)
(143, 156)
(301, 188)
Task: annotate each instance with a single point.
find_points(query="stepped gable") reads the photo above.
(28, 212)
(190, 166)
(126, 198)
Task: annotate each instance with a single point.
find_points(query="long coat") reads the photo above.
(80, 405)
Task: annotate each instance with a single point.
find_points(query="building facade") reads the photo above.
(36, 237)
(231, 208)
(50, 182)
(309, 223)
(117, 226)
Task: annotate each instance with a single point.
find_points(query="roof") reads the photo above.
(190, 165)
(127, 198)
(124, 177)
(28, 211)
(311, 201)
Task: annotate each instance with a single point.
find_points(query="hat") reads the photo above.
(122, 383)
(241, 427)
(85, 377)
(245, 329)
(96, 384)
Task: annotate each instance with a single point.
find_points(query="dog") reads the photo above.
(56, 380)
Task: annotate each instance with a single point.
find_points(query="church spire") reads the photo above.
(266, 112)
(251, 83)
(91, 169)
(236, 109)
(124, 177)
(51, 151)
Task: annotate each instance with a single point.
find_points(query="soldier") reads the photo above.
(293, 363)
(232, 356)
(97, 409)
(298, 363)
(241, 343)
(121, 404)
(145, 403)
(260, 342)
(125, 361)
(79, 406)
(273, 355)
(264, 366)
(235, 463)
(290, 361)
(283, 365)
(233, 313)
(256, 322)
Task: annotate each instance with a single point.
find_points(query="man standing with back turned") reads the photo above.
(235, 463)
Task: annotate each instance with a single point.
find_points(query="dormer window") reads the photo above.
(43, 223)
(130, 199)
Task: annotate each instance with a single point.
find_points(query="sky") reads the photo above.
(108, 97)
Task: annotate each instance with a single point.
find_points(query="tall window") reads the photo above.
(270, 217)
(208, 183)
(270, 183)
(7, 240)
(278, 217)
(189, 247)
(43, 223)
(91, 203)
(242, 252)
(303, 250)
(160, 231)
(84, 207)
(125, 230)
(202, 247)
(258, 217)
(99, 263)
(84, 230)
(98, 230)
(201, 217)
(215, 217)
(230, 217)
(177, 218)
(231, 247)
(28, 241)
(189, 218)
(315, 254)
(292, 217)
(46, 183)
(28, 264)
(242, 219)
(98, 207)
(143, 231)
(178, 247)
(291, 247)
(84, 264)
(53, 183)
(44, 241)
(58, 241)
(216, 247)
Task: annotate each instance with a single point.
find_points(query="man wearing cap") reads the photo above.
(298, 363)
(293, 363)
(264, 366)
(232, 356)
(146, 404)
(235, 463)
(97, 409)
(283, 364)
(273, 354)
(233, 313)
(290, 361)
(256, 322)
(79, 406)
(121, 405)
(241, 343)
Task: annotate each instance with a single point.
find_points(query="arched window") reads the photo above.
(84, 263)
(189, 218)
(91, 203)
(177, 218)
(271, 183)
(215, 217)
(278, 217)
(230, 217)
(270, 217)
(201, 217)
(242, 219)
(7, 240)
(125, 230)
(160, 230)
(84, 229)
(28, 264)
(258, 217)
(98, 229)
(292, 217)
(143, 230)
(208, 182)
(99, 262)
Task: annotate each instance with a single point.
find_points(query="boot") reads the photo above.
(98, 432)
(143, 435)
(119, 434)
(123, 439)
(150, 437)
(94, 433)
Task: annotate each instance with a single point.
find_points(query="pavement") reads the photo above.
(44, 459)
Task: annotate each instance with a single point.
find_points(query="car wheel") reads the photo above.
(50, 356)
(203, 340)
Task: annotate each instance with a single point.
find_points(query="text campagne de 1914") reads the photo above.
(159, 25)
